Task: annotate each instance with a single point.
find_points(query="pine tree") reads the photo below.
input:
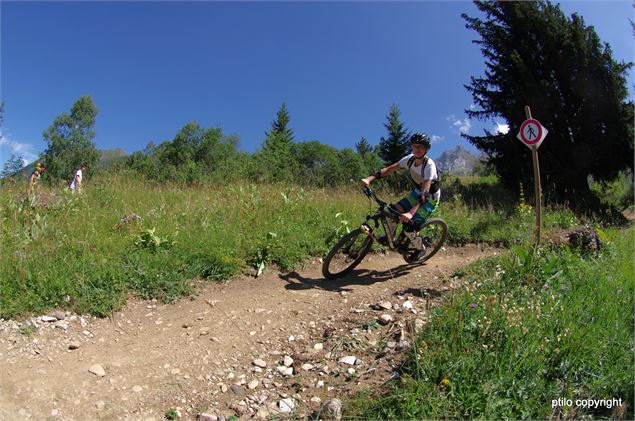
(280, 132)
(395, 147)
(363, 147)
(276, 160)
(537, 56)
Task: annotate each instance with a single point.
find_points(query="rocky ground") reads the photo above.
(284, 343)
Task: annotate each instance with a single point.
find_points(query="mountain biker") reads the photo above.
(423, 200)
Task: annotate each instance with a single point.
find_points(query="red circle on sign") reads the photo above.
(538, 135)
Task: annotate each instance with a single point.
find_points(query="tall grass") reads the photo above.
(72, 251)
(532, 327)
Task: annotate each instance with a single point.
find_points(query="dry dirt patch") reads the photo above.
(238, 348)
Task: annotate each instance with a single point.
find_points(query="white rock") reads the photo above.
(253, 384)
(259, 363)
(97, 370)
(100, 405)
(59, 314)
(204, 416)
(288, 361)
(350, 360)
(334, 409)
(48, 319)
(61, 325)
(319, 383)
(384, 319)
(285, 371)
(286, 406)
(318, 346)
(307, 367)
(137, 388)
(386, 305)
(350, 371)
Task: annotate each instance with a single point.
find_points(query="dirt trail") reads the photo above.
(197, 355)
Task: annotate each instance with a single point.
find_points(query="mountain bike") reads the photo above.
(383, 226)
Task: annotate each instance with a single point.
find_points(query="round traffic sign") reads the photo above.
(531, 131)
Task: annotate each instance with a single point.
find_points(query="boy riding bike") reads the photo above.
(423, 200)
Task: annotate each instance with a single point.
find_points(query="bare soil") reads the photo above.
(197, 355)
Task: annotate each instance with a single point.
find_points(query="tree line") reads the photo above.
(534, 55)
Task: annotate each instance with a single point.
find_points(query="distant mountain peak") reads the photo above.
(457, 161)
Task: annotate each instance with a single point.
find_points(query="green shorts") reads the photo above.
(424, 211)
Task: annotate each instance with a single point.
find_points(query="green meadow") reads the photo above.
(76, 251)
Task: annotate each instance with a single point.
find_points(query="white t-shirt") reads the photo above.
(429, 172)
(77, 174)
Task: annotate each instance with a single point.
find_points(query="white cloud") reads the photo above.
(501, 128)
(25, 150)
(463, 126)
(434, 138)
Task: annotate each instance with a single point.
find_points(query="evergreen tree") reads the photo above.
(537, 56)
(12, 166)
(280, 132)
(395, 147)
(70, 140)
(275, 162)
(363, 147)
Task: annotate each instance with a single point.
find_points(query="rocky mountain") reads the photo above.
(457, 161)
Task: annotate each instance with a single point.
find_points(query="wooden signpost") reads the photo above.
(532, 133)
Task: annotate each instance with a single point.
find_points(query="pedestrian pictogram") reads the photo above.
(532, 133)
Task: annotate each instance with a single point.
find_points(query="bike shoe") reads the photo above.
(417, 255)
(382, 239)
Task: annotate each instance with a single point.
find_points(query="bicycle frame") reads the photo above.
(381, 217)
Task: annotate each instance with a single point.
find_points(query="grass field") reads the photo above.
(531, 328)
(74, 252)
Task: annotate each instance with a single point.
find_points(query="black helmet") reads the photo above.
(420, 138)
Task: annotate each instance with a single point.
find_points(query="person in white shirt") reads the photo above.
(76, 184)
(423, 200)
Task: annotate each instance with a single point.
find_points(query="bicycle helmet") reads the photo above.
(420, 138)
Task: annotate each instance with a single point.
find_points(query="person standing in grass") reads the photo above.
(76, 183)
(35, 177)
(423, 200)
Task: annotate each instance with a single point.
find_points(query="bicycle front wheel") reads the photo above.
(346, 254)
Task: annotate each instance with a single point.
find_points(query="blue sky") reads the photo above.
(152, 67)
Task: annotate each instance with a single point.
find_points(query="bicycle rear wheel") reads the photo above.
(433, 235)
(346, 254)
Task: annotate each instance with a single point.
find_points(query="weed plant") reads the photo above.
(531, 327)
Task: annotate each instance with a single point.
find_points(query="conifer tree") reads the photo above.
(363, 147)
(558, 66)
(395, 146)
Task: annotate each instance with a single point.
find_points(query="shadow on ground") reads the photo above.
(296, 281)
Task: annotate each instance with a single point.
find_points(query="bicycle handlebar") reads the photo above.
(371, 194)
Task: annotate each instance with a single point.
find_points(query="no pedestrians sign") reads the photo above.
(532, 133)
